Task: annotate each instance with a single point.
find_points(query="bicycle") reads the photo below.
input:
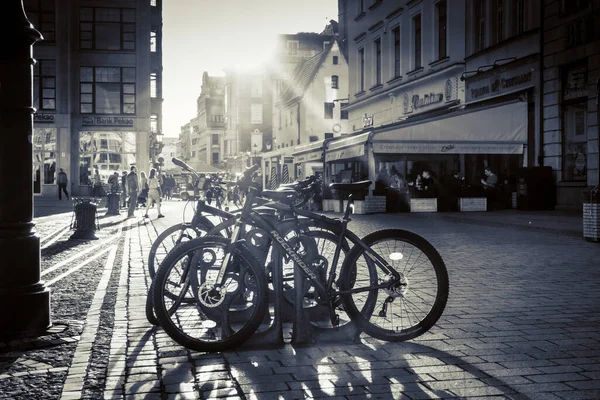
(379, 265)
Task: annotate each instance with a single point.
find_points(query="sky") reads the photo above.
(210, 35)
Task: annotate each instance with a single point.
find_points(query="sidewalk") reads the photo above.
(522, 322)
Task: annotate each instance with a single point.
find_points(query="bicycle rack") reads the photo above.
(304, 332)
(273, 335)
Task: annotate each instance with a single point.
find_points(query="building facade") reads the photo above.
(571, 54)
(97, 88)
(248, 123)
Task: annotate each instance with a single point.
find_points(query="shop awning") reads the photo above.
(309, 152)
(348, 147)
(492, 130)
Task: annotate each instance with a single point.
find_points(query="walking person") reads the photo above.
(62, 180)
(97, 190)
(143, 198)
(132, 190)
(153, 193)
(124, 189)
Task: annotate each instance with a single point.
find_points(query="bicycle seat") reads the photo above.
(351, 187)
(283, 196)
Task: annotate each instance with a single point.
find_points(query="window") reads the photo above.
(153, 88)
(215, 158)
(256, 113)
(153, 41)
(292, 47)
(377, 44)
(361, 7)
(108, 151)
(334, 82)
(44, 156)
(572, 6)
(520, 16)
(442, 26)
(107, 90)
(479, 25)
(499, 20)
(41, 14)
(335, 60)
(361, 69)
(154, 123)
(44, 85)
(328, 135)
(153, 3)
(344, 114)
(328, 110)
(215, 139)
(574, 143)
(193, 153)
(396, 38)
(107, 28)
(417, 43)
(325, 44)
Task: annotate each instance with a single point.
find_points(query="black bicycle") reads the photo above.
(393, 283)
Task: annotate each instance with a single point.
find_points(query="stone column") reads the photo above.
(24, 300)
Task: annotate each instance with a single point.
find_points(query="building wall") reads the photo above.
(571, 57)
(384, 101)
(68, 53)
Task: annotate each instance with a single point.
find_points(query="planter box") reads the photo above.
(370, 205)
(472, 204)
(426, 204)
(591, 215)
(332, 205)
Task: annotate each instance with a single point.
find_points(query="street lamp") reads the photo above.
(255, 155)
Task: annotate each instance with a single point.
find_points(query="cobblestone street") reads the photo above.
(522, 322)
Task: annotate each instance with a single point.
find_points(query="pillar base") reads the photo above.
(83, 235)
(24, 312)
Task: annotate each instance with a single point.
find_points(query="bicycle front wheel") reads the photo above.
(167, 240)
(220, 317)
(394, 309)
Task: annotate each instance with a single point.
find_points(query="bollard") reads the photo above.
(113, 203)
(85, 220)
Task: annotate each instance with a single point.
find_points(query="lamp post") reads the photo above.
(24, 300)
(255, 153)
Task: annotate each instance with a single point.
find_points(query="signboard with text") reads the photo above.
(502, 82)
(107, 121)
(447, 148)
(43, 117)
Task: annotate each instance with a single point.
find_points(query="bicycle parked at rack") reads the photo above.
(210, 293)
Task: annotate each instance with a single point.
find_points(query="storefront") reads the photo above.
(346, 159)
(308, 159)
(50, 151)
(277, 167)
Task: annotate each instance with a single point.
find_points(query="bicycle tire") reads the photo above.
(150, 316)
(246, 283)
(423, 295)
(161, 246)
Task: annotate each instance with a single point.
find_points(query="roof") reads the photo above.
(304, 75)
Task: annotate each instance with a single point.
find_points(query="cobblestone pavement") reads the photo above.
(522, 322)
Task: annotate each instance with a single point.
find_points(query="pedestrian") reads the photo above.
(113, 182)
(144, 189)
(153, 193)
(62, 180)
(97, 190)
(491, 179)
(124, 189)
(132, 190)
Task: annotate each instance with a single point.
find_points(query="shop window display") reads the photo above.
(574, 143)
(44, 157)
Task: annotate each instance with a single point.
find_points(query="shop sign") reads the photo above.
(309, 157)
(447, 148)
(348, 152)
(575, 83)
(500, 83)
(43, 117)
(416, 102)
(107, 121)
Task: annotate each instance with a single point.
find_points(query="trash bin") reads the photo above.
(591, 214)
(113, 203)
(85, 223)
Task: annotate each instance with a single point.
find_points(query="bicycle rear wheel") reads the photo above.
(217, 319)
(402, 310)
